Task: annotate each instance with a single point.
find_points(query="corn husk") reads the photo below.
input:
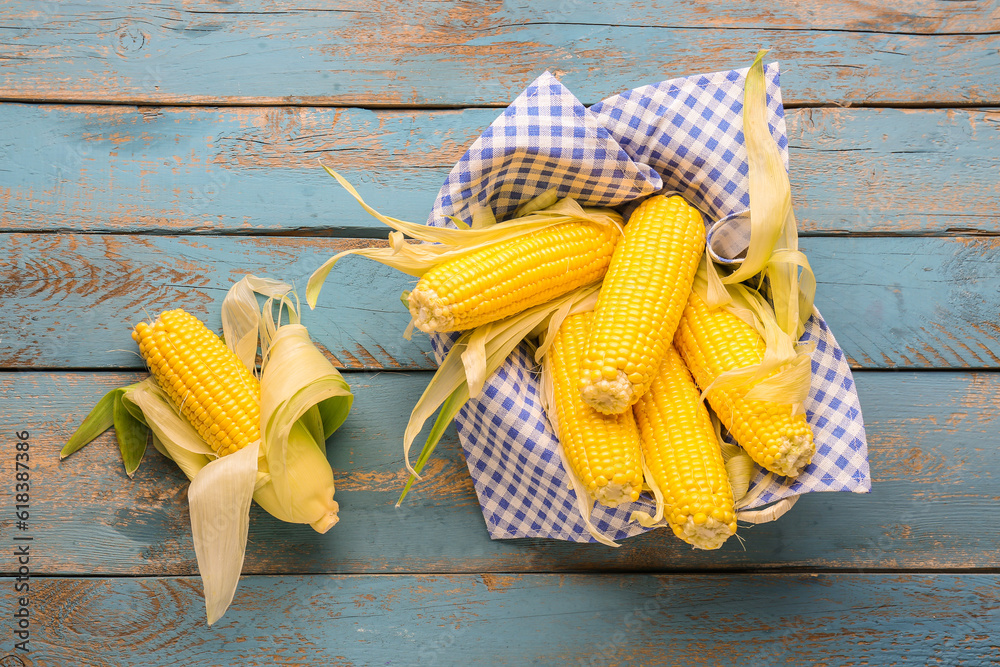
(474, 357)
(773, 287)
(773, 251)
(303, 401)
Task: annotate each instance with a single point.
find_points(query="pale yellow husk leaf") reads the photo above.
(444, 243)
(479, 352)
(219, 501)
(774, 260)
(296, 379)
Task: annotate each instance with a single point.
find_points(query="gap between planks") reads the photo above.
(278, 102)
(680, 572)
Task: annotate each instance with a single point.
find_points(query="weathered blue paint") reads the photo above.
(256, 170)
(95, 188)
(911, 302)
(617, 619)
(459, 53)
(932, 457)
(78, 297)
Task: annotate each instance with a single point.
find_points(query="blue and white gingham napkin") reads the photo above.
(682, 135)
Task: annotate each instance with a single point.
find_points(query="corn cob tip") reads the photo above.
(704, 532)
(794, 453)
(615, 493)
(430, 312)
(328, 520)
(609, 396)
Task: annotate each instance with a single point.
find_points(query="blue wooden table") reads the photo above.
(150, 154)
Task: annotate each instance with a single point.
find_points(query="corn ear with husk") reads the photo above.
(486, 272)
(273, 447)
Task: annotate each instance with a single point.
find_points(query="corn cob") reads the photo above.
(641, 301)
(713, 341)
(508, 277)
(682, 454)
(210, 386)
(602, 450)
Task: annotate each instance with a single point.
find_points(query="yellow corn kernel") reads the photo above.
(641, 301)
(210, 386)
(503, 279)
(683, 456)
(713, 341)
(602, 450)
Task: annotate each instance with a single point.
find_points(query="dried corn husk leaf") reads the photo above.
(773, 249)
(780, 306)
(740, 468)
(644, 519)
(538, 202)
(242, 319)
(167, 423)
(444, 243)
(450, 388)
(218, 498)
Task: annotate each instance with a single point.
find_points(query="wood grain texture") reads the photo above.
(80, 292)
(611, 620)
(932, 451)
(152, 153)
(484, 53)
(256, 170)
(73, 298)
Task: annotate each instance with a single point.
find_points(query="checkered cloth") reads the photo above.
(683, 136)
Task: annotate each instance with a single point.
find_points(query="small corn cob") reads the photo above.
(713, 341)
(682, 453)
(641, 301)
(603, 450)
(505, 278)
(210, 386)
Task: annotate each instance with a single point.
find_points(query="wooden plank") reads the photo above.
(751, 619)
(256, 170)
(933, 467)
(73, 299)
(911, 302)
(87, 292)
(460, 53)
